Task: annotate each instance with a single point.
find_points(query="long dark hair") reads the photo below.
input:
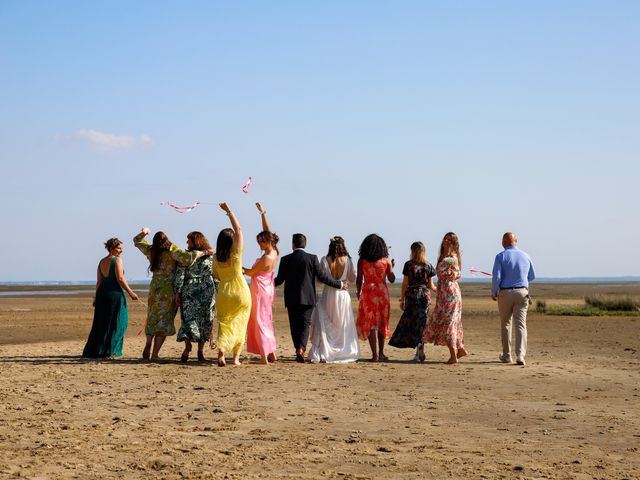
(161, 243)
(373, 248)
(337, 248)
(269, 237)
(454, 247)
(224, 244)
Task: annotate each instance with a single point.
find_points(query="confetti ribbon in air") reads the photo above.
(181, 209)
(478, 272)
(245, 187)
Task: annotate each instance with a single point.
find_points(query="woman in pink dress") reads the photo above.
(261, 339)
(374, 269)
(444, 327)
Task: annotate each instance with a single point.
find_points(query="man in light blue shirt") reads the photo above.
(512, 272)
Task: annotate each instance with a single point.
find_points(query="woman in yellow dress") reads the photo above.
(233, 298)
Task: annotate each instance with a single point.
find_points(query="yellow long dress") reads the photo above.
(233, 303)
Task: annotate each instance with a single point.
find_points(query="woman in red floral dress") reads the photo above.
(444, 327)
(374, 268)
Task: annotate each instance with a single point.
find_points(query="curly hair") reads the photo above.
(161, 243)
(452, 247)
(112, 244)
(373, 248)
(337, 248)
(270, 238)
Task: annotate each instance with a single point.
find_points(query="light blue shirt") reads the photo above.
(512, 269)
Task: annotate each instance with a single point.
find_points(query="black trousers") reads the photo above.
(299, 322)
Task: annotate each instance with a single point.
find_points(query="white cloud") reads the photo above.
(108, 141)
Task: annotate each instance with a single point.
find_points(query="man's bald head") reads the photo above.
(509, 240)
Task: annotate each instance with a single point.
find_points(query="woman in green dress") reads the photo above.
(163, 257)
(195, 289)
(110, 317)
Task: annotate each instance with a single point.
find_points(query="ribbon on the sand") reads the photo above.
(478, 272)
(245, 187)
(181, 209)
(144, 325)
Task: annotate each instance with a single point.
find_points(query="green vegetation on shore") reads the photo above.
(594, 305)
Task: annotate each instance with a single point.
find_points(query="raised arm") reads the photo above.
(263, 216)
(390, 275)
(237, 230)
(122, 281)
(141, 243)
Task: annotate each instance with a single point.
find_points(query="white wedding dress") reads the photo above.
(333, 334)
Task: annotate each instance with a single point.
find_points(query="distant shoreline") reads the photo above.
(144, 284)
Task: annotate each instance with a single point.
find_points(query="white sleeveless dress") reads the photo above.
(334, 338)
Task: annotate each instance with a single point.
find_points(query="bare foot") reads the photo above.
(374, 358)
(462, 353)
(185, 355)
(452, 361)
(201, 357)
(263, 361)
(382, 358)
(236, 361)
(221, 362)
(146, 352)
(272, 357)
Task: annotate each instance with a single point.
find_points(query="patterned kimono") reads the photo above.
(162, 309)
(196, 287)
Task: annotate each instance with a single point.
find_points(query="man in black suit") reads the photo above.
(298, 271)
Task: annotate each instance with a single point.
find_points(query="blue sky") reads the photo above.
(408, 118)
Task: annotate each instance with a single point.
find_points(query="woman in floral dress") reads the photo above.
(444, 327)
(233, 299)
(374, 268)
(163, 258)
(195, 289)
(414, 301)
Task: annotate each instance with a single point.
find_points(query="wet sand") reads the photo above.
(571, 413)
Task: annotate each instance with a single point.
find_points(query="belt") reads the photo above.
(514, 288)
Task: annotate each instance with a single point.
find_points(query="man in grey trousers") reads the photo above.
(512, 272)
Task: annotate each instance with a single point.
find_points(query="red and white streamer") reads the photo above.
(474, 270)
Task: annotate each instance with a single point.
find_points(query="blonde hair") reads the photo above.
(418, 253)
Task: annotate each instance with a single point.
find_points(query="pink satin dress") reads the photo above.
(261, 339)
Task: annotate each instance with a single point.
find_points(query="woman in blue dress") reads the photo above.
(110, 317)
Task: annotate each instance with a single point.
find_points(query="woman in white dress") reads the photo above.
(334, 338)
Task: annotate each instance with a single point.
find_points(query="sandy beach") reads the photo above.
(571, 413)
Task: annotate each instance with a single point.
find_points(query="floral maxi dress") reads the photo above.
(162, 309)
(374, 308)
(444, 327)
(408, 332)
(197, 302)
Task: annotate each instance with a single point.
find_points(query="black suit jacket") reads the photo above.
(298, 271)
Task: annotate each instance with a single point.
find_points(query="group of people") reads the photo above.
(207, 285)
